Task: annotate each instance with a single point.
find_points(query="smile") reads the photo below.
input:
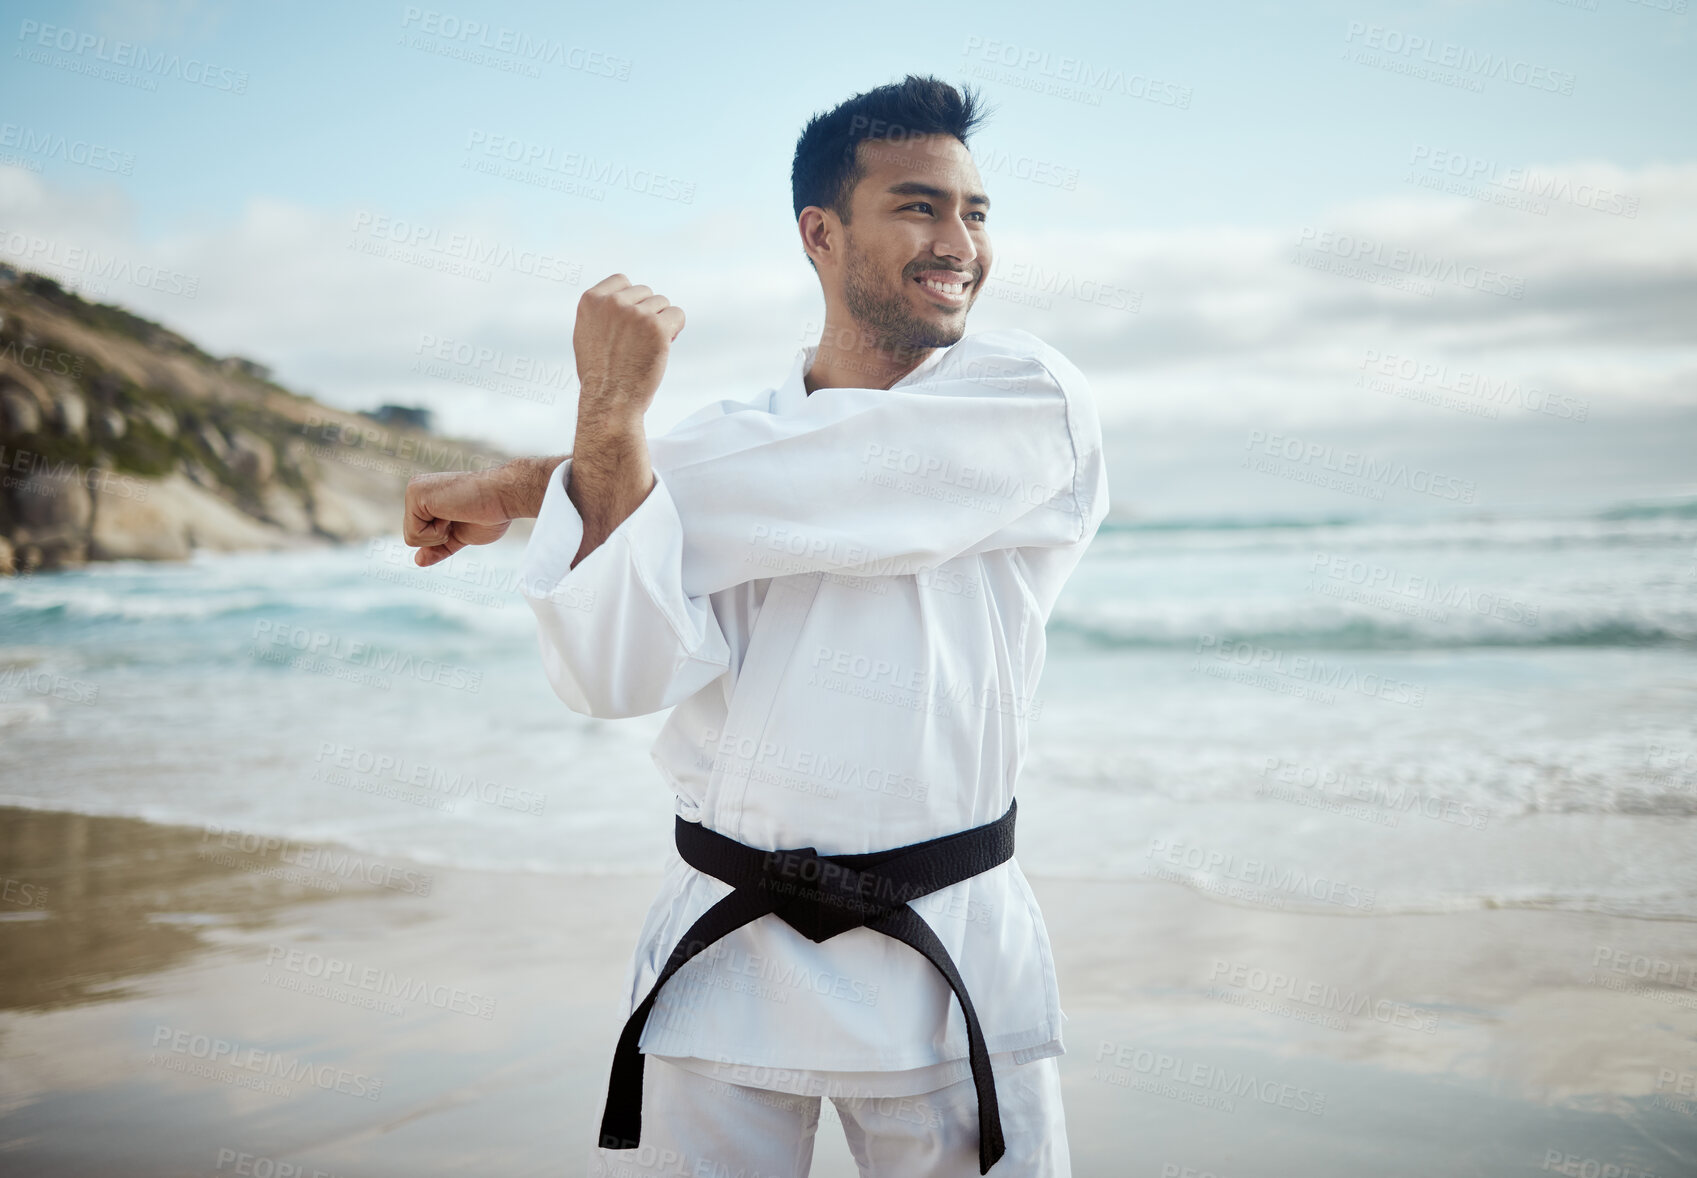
(953, 292)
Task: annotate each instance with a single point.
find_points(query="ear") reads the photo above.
(821, 234)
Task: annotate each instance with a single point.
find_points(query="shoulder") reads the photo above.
(760, 403)
(674, 446)
(1014, 358)
(1011, 341)
(1011, 353)
(1030, 362)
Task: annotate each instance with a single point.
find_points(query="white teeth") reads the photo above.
(944, 287)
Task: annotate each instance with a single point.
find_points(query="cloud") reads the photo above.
(1203, 324)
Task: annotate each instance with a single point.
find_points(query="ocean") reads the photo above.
(1330, 716)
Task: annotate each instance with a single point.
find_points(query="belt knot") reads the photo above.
(820, 897)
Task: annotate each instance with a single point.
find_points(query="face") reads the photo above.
(917, 246)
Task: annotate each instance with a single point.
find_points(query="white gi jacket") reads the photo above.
(842, 596)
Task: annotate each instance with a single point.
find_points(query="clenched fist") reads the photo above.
(447, 511)
(623, 337)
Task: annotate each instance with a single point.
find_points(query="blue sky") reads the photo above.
(1223, 169)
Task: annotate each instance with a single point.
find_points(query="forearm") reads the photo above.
(524, 481)
(618, 637)
(610, 476)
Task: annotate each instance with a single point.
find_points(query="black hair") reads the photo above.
(827, 166)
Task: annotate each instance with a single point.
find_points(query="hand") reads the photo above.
(623, 337)
(447, 511)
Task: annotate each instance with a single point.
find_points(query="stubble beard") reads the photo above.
(885, 315)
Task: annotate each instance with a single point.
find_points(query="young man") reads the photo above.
(839, 587)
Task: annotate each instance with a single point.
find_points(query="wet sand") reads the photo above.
(166, 1008)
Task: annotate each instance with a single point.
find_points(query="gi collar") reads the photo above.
(792, 394)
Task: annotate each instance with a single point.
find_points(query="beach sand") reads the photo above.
(160, 1015)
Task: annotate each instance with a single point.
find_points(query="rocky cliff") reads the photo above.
(121, 439)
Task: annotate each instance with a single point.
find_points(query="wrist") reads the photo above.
(521, 484)
(602, 414)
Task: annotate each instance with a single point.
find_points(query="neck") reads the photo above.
(850, 358)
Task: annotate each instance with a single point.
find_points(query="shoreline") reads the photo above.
(1253, 1042)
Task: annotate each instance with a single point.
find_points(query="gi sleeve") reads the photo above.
(618, 638)
(1001, 448)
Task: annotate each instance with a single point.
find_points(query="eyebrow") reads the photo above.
(918, 188)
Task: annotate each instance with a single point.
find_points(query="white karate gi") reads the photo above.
(842, 596)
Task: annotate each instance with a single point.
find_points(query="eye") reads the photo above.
(983, 217)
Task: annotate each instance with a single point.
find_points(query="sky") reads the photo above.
(1462, 235)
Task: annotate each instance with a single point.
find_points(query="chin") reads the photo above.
(947, 334)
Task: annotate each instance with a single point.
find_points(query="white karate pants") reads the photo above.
(694, 1126)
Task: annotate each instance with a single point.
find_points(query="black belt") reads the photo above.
(820, 896)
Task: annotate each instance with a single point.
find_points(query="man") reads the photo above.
(839, 586)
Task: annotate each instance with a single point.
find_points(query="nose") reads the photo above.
(954, 242)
